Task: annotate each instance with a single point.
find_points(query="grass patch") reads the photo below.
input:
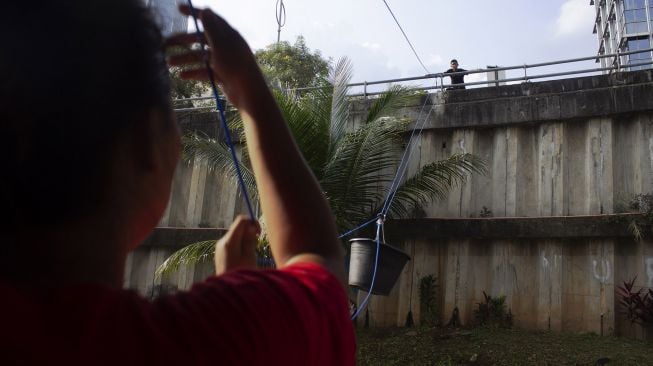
(496, 346)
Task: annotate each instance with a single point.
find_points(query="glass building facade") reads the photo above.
(166, 13)
(624, 26)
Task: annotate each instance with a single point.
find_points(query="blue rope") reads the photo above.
(356, 229)
(220, 108)
(379, 223)
(393, 192)
(403, 164)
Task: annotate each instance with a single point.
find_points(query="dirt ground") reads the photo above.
(496, 346)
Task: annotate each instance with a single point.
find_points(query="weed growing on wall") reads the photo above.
(492, 311)
(637, 305)
(429, 314)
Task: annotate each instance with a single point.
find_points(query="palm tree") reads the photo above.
(355, 165)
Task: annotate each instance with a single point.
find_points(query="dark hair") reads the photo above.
(72, 76)
(454, 61)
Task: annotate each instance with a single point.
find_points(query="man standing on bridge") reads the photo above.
(458, 78)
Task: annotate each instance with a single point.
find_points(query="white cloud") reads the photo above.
(371, 45)
(576, 17)
(323, 25)
(434, 60)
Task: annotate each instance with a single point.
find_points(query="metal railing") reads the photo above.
(439, 78)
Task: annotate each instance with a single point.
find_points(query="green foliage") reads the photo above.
(637, 305)
(485, 212)
(640, 226)
(494, 346)
(292, 66)
(642, 203)
(635, 230)
(180, 88)
(429, 314)
(195, 253)
(492, 312)
(217, 156)
(263, 249)
(204, 251)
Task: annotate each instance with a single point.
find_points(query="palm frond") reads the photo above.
(635, 231)
(339, 102)
(235, 123)
(309, 130)
(361, 166)
(191, 254)
(218, 157)
(434, 181)
(387, 103)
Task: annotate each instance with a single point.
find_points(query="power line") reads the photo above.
(406, 37)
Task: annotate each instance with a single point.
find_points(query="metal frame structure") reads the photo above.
(611, 28)
(439, 78)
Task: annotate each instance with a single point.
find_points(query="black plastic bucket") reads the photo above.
(361, 265)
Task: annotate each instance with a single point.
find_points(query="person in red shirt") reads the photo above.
(90, 147)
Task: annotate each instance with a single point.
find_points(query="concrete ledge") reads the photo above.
(566, 227)
(563, 227)
(178, 237)
(203, 123)
(540, 88)
(515, 104)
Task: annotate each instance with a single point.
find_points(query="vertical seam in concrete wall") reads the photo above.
(601, 167)
(505, 191)
(551, 170)
(461, 142)
(457, 281)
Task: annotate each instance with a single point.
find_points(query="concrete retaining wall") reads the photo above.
(142, 263)
(579, 146)
(571, 147)
(551, 282)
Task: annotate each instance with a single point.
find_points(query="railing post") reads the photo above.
(365, 89)
(441, 82)
(618, 66)
(525, 75)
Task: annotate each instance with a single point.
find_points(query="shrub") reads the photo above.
(427, 300)
(637, 305)
(492, 311)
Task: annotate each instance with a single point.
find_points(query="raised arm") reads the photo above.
(300, 225)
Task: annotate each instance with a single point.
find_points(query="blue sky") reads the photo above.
(476, 32)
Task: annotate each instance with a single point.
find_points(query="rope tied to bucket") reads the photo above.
(379, 225)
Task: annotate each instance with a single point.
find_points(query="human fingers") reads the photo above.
(231, 60)
(237, 248)
(199, 74)
(241, 229)
(185, 9)
(249, 240)
(185, 39)
(191, 57)
(219, 33)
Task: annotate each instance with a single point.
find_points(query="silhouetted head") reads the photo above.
(84, 110)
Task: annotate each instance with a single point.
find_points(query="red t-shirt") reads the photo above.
(294, 316)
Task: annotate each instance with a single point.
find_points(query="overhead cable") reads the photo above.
(406, 37)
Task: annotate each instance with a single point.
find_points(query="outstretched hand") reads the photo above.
(301, 227)
(237, 248)
(230, 58)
